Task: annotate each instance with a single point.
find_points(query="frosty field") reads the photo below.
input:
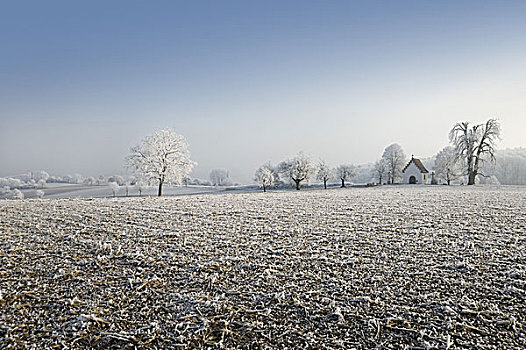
(392, 267)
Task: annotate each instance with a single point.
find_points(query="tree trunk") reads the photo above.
(297, 184)
(160, 193)
(343, 182)
(471, 177)
(473, 172)
(448, 182)
(264, 188)
(325, 184)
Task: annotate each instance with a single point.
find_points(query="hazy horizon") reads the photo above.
(251, 83)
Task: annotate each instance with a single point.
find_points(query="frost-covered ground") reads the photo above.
(392, 267)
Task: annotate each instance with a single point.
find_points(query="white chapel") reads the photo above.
(415, 172)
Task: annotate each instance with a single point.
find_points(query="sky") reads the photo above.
(248, 82)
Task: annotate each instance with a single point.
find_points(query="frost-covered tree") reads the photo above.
(161, 157)
(77, 179)
(4, 190)
(510, 167)
(475, 144)
(324, 173)
(12, 183)
(67, 179)
(26, 177)
(220, 177)
(394, 158)
(380, 170)
(90, 181)
(101, 180)
(265, 176)
(39, 194)
(118, 179)
(41, 175)
(16, 194)
(345, 172)
(297, 169)
(447, 165)
(127, 185)
(114, 188)
(140, 186)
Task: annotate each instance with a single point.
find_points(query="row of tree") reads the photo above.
(301, 169)
(473, 148)
(164, 156)
(39, 179)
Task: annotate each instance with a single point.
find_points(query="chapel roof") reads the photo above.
(418, 164)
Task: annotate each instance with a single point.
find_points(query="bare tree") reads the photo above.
(324, 173)
(345, 172)
(380, 170)
(265, 176)
(447, 165)
(475, 144)
(394, 158)
(163, 156)
(298, 169)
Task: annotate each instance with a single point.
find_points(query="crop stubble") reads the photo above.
(393, 267)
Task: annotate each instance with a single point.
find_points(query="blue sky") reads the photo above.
(251, 82)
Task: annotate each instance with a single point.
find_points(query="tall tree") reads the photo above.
(394, 158)
(345, 172)
(298, 169)
(475, 144)
(447, 165)
(324, 173)
(161, 157)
